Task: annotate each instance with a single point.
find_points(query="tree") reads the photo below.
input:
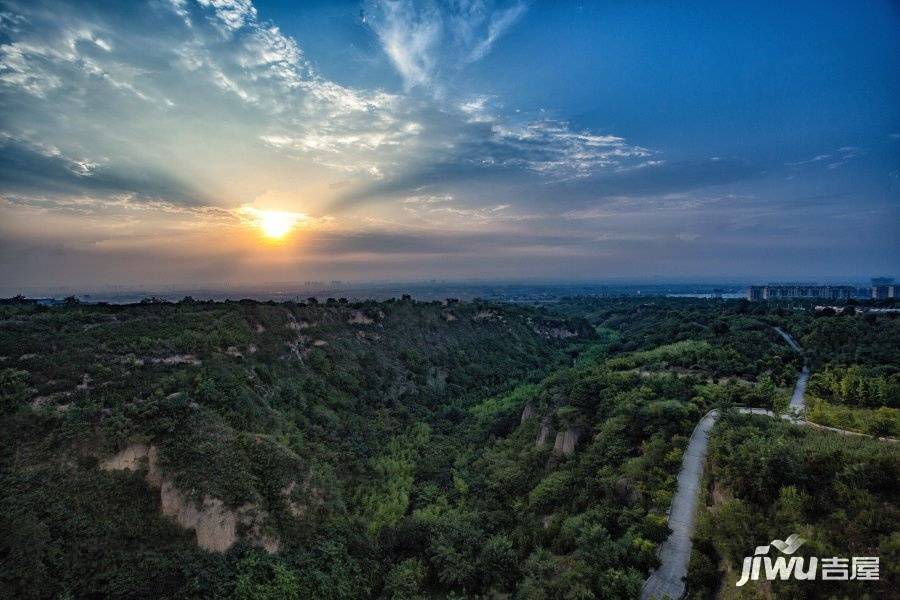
(539, 571)
(550, 492)
(780, 403)
(263, 580)
(404, 580)
(454, 545)
(498, 560)
(884, 422)
(13, 390)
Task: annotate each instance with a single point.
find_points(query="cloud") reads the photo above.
(429, 40)
(809, 161)
(34, 168)
(444, 212)
(440, 243)
(832, 160)
(845, 155)
(174, 87)
(189, 110)
(150, 96)
(498, 23)
(410, 37)
(233, 14)
(553, 175)
(552, 147)
(472, 141)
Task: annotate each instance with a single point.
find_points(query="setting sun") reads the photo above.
(274, 225)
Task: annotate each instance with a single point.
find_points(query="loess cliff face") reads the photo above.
(566, 441)
(250, 423)
(215, 524)
(392, 449)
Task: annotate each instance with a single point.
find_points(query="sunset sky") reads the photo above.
(238, 142)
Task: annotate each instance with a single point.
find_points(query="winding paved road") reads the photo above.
(675, 552)
(789, 339)
(798, 404)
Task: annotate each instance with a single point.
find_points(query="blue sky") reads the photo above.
(516, 140)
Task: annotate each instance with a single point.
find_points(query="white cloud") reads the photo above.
(428, 199)
(551, 147)
(814, 159)
(410, 37)
(208, 91)
(233, 14)
(498, 23)
(427, 39)
(443, 210)
(80, 166)
(185, 58)
(833, 160)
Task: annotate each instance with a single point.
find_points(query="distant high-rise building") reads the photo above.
(812, 292)
(756, 292)
(883, 287)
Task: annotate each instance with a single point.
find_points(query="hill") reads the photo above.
(391, 449)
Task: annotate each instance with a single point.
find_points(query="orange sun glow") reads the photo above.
(273, 224)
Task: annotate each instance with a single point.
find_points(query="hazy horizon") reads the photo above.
(422, 289)
(238, 142)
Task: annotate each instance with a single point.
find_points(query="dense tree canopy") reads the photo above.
(405, 449)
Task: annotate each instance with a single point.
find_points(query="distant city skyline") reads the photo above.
(491, 289)
(172, 142)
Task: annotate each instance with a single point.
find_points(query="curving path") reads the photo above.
(798, 404)
(789, 339)
(675, 552)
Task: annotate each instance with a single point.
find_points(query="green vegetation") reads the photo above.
(880, 422)
(869, 341)
(393, 449)
(686, 353)
(770, 479)
(717, 338)
(12, 389)
(857, 386)
(506, 405)
(857, 382)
